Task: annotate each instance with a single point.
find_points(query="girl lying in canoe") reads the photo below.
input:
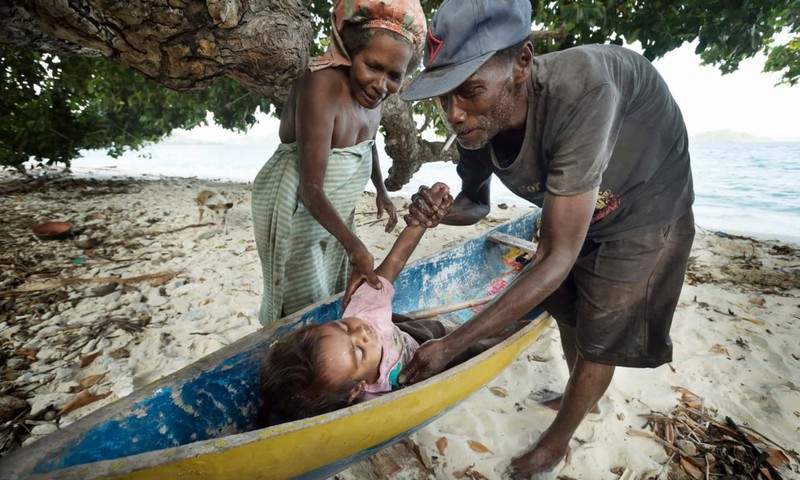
(321, 368)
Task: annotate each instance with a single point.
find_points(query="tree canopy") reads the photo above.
(117, 79)
(54, 106)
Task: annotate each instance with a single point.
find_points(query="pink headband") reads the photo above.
(403, 17)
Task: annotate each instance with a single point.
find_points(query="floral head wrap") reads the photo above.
(404, 17)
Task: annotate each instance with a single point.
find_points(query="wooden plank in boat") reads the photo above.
(524, 245)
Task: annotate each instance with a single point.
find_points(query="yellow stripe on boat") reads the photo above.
(296, 448)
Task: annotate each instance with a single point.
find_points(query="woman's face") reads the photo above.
(378, 70)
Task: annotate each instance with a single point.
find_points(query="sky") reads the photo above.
(746, 101)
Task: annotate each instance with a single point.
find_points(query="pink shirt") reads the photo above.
(375, 307)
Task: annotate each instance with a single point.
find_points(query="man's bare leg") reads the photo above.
(568, 345)
(570, 355)
(588, 382)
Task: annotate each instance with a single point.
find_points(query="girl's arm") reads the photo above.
(409, 238)
(402, 249)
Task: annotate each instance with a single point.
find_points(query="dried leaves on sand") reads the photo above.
(701, 446)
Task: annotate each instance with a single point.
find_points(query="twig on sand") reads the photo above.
(666, 444)
(371, 222)
(669, 461)
(761, 457)
(175, 230)
(773, 442)
(63, 282)
(708, 448)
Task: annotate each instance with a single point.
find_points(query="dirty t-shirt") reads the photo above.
(375, 307)
(598, 116)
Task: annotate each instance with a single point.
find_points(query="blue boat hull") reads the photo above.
(199, 422)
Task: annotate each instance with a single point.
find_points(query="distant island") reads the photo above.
(177, 138)
(260, 137)
(728, 136)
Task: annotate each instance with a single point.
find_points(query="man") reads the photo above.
(592, 135)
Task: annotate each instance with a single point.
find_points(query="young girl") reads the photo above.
(321, 368)
(305, 195)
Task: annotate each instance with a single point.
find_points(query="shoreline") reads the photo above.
(736, 330)
(762, 237)
(749, 189)
(109, 174)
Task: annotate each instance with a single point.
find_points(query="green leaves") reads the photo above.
(786, 58)
(56, 107)
(728, 31)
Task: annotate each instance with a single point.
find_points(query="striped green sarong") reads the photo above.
(301, 262)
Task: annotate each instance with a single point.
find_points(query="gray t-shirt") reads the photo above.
(598, 115)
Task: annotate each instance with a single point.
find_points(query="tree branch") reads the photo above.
(555, 34)
(179, 44)
(408, 151)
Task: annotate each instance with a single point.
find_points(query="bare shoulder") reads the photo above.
(328, 84)
(314, 96)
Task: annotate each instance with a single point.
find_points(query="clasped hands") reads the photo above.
(428, 206)
(424, 210)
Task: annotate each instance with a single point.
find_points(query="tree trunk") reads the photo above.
(404, 144)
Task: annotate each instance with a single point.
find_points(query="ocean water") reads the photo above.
(744, 188)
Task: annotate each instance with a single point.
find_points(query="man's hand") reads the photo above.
(384, 203)
(430, 359)
(363, 264)
(424, 210)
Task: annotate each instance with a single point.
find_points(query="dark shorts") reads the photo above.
(619, 298)
(422, 330)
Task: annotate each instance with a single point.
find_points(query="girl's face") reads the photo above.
(349, 349)
(378, 69)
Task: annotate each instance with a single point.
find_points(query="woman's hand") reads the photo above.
(363, 264)
(424, 210)
(384, 203)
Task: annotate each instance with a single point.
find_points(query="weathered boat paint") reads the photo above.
(199, 422)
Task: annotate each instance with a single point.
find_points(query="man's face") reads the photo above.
(482, 106)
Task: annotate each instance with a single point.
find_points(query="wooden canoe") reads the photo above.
(199, 421)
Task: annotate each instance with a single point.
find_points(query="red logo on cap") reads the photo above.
(434, 45)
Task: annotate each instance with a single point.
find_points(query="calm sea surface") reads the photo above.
(740, 187)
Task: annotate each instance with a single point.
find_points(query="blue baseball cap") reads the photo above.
(462, 36)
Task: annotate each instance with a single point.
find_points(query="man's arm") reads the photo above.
(565, 221)
(466, 211)
(474, 200)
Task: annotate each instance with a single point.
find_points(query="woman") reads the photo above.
(304, 197)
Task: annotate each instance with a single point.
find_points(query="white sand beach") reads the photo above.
(736, 331)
